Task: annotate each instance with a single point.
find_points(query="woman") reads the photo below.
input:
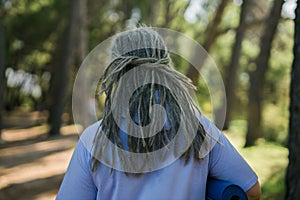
(152, 142)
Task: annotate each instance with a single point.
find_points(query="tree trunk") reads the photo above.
(169, 15)
(151, 17)
(257, 76)
(61, 74)
(232, 69)
(293, 169)
(211, 36)
(2, 69)
(83, 103)
(82, 22)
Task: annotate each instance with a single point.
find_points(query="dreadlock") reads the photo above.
(143, 48)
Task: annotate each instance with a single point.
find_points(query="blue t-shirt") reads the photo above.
(178, 181)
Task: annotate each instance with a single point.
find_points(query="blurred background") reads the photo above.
(43, 43)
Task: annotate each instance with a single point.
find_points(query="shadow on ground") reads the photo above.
(35, 189)
(32, 165)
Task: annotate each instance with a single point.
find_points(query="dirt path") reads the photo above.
(31, 165)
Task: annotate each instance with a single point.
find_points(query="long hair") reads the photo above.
(143, 48)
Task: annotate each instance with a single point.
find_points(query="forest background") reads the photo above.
(44, 42)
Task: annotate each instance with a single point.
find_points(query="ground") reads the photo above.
(32, 165)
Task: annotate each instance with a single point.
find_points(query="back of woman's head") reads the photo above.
(142, 42)
(140, 60)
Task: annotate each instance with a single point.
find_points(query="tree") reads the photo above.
(232, 69)
(2, 69)
(82, 47)
(257, 76)
(60, 76)
(252, 15)
(292, 178)
(212, 33)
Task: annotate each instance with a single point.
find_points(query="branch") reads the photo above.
(245, 26)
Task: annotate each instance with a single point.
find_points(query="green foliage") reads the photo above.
(34, 29)
(221, 51)
(275, 127)
(276, 91)
(274, 187)
(268, 159)
(231, 17)
(31, 33)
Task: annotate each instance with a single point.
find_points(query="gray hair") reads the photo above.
(144, 47)
(137, 40)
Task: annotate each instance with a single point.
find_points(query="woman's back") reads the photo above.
(179, 180)
(152, 142)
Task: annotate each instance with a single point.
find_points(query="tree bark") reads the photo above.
(232, 69)
(292, 177)
(212, 32)
(83, 102)
(169, 15)
(2, 69)
(61, 74)
(257, 76)
(211, 36)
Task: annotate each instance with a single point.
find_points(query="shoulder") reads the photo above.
(209, 127)
(88, 135)
(82, 153)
